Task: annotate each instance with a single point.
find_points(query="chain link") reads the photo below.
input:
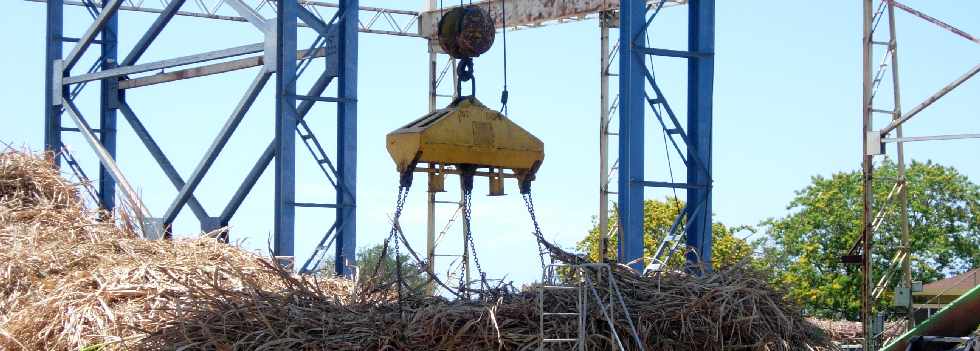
(468, 236)
(529, 203)
(395, 227)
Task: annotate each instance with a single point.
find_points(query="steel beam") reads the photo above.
(168, 169)
(151, 34)
(700, 86)
(174, 62)
(53, 89)
(399, 22)
(283, 241)
(106, 160)
(249, 14)
(867, 176)
(107, 105)
(207, 70)
(108, 14)
(632, 101)
(932, 137)
(930, 100)
(270, 151)
(216, 146)
(604, 19)
(347, 139)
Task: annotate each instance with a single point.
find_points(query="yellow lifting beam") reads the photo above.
(467, 135)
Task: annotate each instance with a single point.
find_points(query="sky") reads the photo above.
(787, 103)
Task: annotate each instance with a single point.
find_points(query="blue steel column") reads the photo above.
(53, 52)
(347, 139)
(108, 106)
(285, 165)
(631, 95)
(701, 39)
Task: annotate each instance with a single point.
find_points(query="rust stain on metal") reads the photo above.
(531, 13)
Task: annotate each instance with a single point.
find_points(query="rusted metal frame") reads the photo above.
(533, 13)
(934, 20)
(880, 74)
(867, 177)
(885, 206)
(932, 137)
(876, 222)
(930, 100)
(903, 199)
(882, 284)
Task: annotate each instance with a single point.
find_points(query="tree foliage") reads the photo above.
(824, 221)
(657, 218)
(367, 260)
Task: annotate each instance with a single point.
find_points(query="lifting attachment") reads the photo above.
(465, 138)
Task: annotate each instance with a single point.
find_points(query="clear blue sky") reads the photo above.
(787, 107)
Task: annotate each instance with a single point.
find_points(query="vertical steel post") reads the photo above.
(430, 214)
(109, 90)
(700, 76)
(903, 198)
(604, 18)
(285, 163)
(53, 90)
(631, 98)
(867, 175)
(347, 139)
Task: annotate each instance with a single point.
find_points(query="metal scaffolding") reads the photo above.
(883, 44)
(278, 53)
(692, 142)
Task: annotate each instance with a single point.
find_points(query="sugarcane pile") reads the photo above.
(844, 331)
(69, 281)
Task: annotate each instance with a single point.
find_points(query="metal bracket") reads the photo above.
(211, 224)
(875, 146)
(270, 48)
(153, 228)
(57, 82)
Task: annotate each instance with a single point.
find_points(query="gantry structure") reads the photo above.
(279, 53)
(880, 59)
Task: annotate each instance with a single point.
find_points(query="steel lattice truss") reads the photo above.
(280, 56)
(371, 20)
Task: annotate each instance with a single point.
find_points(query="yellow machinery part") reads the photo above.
(466, 133)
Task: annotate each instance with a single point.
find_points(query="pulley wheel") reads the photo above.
(466, 31)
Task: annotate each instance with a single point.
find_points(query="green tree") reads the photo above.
(367, 259)
(657, 219)
(824, 221)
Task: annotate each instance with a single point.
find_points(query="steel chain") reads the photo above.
(469, 235)
(395, 227)
(529, 203)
